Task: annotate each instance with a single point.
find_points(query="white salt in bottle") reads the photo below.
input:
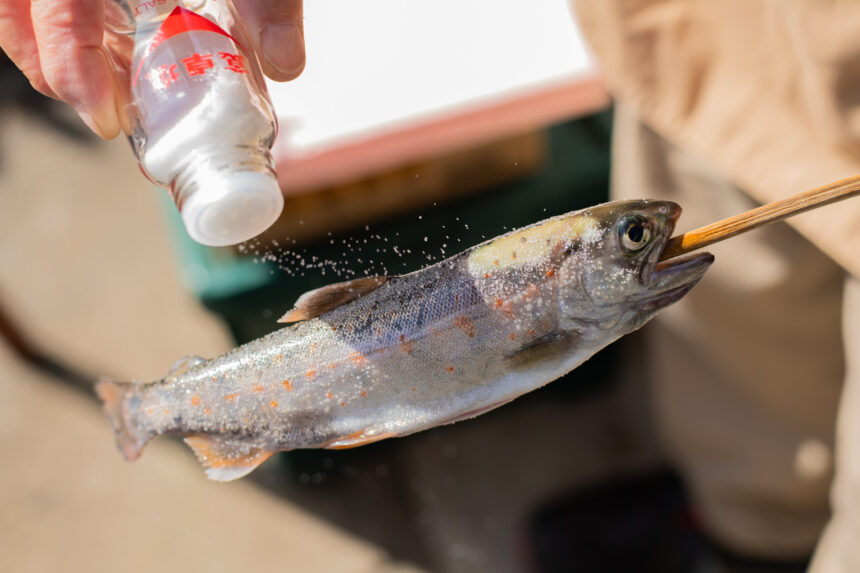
(195, 108)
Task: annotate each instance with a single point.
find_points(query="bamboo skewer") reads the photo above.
(794, 205)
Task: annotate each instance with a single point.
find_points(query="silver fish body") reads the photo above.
(381, 357)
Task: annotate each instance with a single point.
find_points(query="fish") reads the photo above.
(379, 357)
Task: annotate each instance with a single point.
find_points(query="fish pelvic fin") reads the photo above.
(553, 346)
(319, 301)
(185, 364)
(224, 458)
(115, 397)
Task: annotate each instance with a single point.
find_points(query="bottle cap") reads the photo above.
(232, 207)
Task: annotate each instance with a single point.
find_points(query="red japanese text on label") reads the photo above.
(197, 64)
(164, 76)
(234, 62)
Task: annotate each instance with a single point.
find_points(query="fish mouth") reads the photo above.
(674, 278)
(668, 281)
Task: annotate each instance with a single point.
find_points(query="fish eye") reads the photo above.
(635, 233)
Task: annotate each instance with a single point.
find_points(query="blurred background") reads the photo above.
(422, 137)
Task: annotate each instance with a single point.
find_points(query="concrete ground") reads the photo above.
(87, 274)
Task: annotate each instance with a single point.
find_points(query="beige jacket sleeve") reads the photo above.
(767, 90)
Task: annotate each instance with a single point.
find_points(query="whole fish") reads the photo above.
(379, 357)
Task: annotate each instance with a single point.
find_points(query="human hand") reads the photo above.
(58, 44)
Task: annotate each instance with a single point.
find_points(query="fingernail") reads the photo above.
(91, 123)
(284, 48)
(105, 126)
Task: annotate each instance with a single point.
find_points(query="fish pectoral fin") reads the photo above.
(360, 438)
(226, 459)
(316, 302)
(555, 345)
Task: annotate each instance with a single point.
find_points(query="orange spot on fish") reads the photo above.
(257, 388)
(279, 358)
(207, 411)
(364, 393)
(310, 373)
(229, 397)
(313, 346)
(273, 404)
(466, 325)
(149, 411)
(496, 262)
(195, 400)
(498, 303)
(449, 368)
(549, 274)
(343, 404)
(514, 255)
(166, 412)
(214, 379)
(513, 335)
(329, 395)
(332, 366)
(530, 331)
(508, 309)
(531, 291)
(357, 358)
(287, 386)
(486, 275)
(405, 345)
(414, 389)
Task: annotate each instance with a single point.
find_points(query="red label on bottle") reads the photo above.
(179, 21)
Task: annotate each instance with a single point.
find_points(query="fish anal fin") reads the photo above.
(360, 438)
(316, 302)
(226, 459)
(552, 346)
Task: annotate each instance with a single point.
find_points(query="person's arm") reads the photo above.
(58, 46)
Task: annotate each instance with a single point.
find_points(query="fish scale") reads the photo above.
(379, 357)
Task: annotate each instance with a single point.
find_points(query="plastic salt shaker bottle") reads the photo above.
(195, 108)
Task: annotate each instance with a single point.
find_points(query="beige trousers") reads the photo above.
(747, 371)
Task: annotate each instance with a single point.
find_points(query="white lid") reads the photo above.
(232, 207)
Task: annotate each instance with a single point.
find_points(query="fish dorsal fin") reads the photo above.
(318, 301)
(185, 364)
(226, 459)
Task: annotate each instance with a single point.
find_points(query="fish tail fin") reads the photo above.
(129, 436)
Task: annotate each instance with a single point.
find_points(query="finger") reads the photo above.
(19, 42)
(69, 35)
(277, 30)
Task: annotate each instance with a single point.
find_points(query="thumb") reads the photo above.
(276, 28)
